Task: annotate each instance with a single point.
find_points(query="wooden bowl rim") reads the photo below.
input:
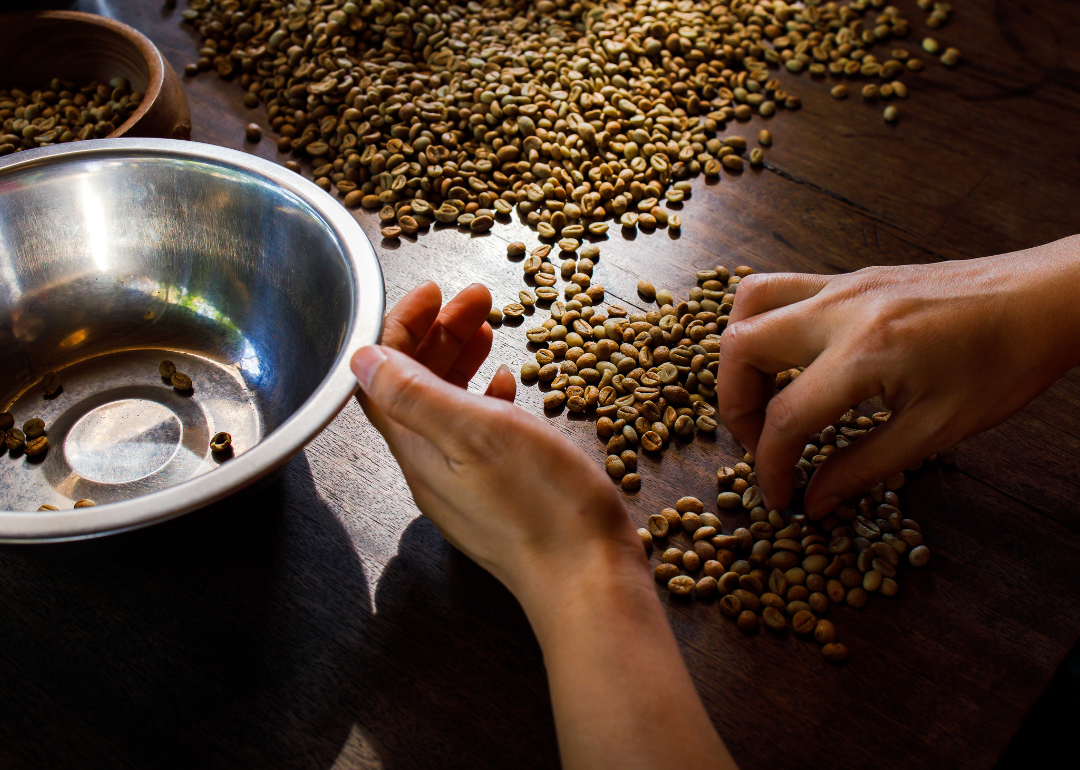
(145, 46)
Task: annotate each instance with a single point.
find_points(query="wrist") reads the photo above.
(1054, 300)
(598, 576)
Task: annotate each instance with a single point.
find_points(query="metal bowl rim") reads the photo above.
(276, 448)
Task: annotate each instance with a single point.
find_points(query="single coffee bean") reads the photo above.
(221, 442)
(774, 619)
(856, 597)
(34, 427)
(180, 381)
(919, 555)
(673, 517)
(824, 632)
(50, 383)
(797, 594)
(747, 621)
(651, 441)
(37, 446)
(48, 507)
(769, 599)
(749, 601)
(614, 465)
(253, 132)
(14, 439)
(705, 550)
(834, 652)
(646, 538)
(689, 505)
(750, 583)
(631, 482)
(729, 500)
(803, 622)
(886, 552)
(672, 556)
(681, 585)
(777, 582)
(658, 525)
(706, 587)
(691, 562)
(761, 552)
(888, 587)
(728, 582)
(714, 569)
(835, 591)
(85, 503)
(665, 572)
(819, 603)
(166, 368)
(731, 606)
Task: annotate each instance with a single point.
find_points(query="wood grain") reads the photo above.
(318, 622)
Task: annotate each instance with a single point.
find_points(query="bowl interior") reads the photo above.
(111, 263)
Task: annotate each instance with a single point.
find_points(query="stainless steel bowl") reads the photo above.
(116, 254)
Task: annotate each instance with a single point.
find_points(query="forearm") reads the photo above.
(621, 692)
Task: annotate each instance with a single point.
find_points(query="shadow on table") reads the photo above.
(243, 636)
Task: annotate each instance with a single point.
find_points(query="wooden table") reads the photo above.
(322, 624)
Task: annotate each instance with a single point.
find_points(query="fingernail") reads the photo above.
(823, 508)
(365, 362)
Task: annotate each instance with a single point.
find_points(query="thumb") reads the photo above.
(410, 394)
(880, 454)
(502, 385)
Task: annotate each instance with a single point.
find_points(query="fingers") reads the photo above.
(882, 453)
(762, 292)
(472, 355)
(409, 321)
(502, 385)
(408, 393)
(741, 394)
(751, 351)
(454, 328)
(814, 399)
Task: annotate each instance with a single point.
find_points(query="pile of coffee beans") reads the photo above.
(785, 571)
(573, 112)
(61, 111)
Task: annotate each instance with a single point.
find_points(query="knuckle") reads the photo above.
(408, 391)
(783, 417)
(751, 286)
(890, 327)
(731, 341)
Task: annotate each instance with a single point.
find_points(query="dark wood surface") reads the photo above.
(320, 623)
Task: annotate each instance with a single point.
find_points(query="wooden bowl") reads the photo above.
(38, 46)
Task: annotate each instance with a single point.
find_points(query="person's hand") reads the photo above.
(953, 348)
(505, 488)
(522, 501)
